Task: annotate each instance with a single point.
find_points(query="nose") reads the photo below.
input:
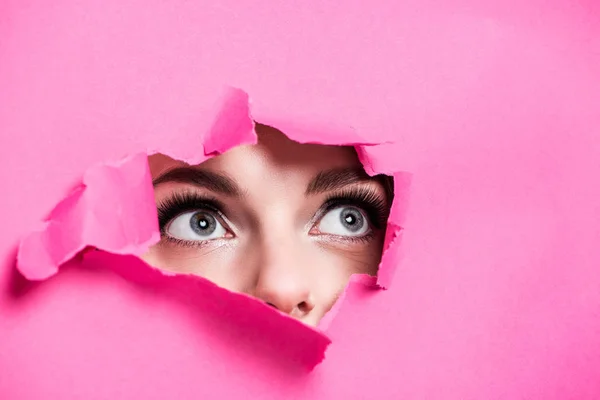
(284, 279)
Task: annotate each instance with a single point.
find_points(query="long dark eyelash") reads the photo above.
(181, 202)
(371, 202)
(356, 239)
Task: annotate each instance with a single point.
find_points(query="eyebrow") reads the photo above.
(206, 179)
(333, 179)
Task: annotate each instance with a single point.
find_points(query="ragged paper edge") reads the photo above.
(83, 220)
(256, 327)
(73, 226)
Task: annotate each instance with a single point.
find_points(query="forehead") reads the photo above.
(274, 154)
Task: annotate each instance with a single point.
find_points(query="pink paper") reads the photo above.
(489, 110)
(109, 211)
(247, 324)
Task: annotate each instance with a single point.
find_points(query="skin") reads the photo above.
(277, 246)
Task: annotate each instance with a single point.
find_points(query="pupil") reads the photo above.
(352, 219)
(203, 223)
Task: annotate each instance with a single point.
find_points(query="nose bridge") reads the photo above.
(283, 278)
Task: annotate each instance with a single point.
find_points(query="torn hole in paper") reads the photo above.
(287, 222)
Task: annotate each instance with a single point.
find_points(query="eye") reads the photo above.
(344, 221)
(198, 225)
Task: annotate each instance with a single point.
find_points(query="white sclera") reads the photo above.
(180, 228)
(332, 223)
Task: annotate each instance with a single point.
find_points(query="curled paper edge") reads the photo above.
(83, 219)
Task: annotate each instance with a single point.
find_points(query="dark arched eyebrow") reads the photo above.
(337, 178)
(213, 181)
(324, 181)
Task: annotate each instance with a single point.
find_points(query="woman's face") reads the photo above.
(287, 223)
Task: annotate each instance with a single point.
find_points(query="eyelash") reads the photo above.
(182, 202)
(366, 199)
(376, 208)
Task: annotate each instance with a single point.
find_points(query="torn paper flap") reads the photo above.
(252, 326)
(113, 210)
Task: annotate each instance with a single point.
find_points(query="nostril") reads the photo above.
(304, 307)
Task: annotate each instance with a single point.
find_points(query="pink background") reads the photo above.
(495, 107)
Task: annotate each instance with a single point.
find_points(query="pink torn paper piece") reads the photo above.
(249, 325)
(111, 210)
(222, 122)
(305, 130)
